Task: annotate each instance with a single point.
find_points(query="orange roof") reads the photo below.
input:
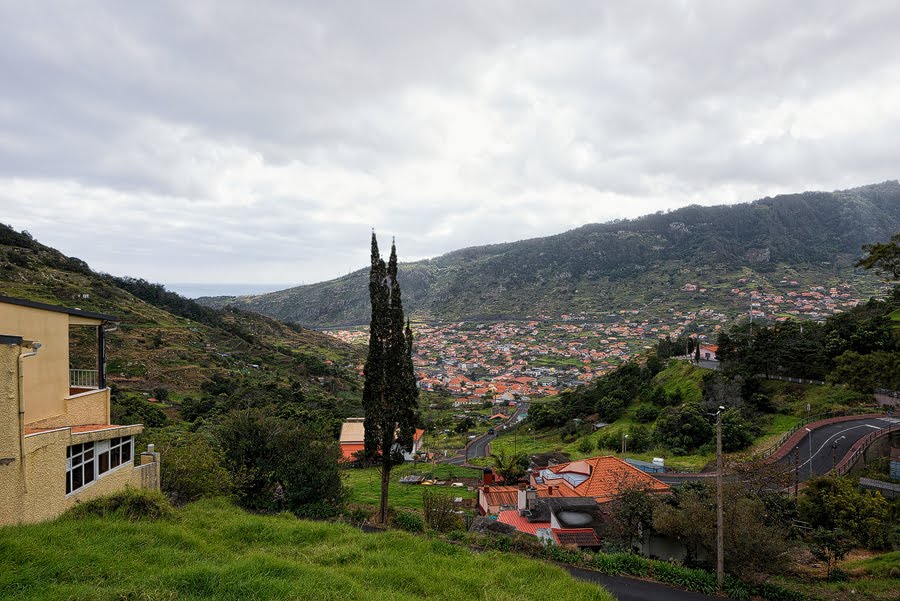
(500, 495)
(582, 537)
(418, 434)
(512, 517)
(711, 347)
(498, 416)
(607, 475)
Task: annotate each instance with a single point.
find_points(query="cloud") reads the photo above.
(212, 141)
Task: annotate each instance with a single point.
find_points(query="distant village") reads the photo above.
(518, 360)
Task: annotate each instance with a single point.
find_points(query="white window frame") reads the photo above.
(109, 447)
(86, 460)
(94, 450)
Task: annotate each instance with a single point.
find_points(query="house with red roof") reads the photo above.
(563, 504)
(353, 433)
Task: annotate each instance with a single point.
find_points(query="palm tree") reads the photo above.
(510, 467)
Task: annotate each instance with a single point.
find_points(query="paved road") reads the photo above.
(633, 589)
(478, 446)
(815, 450)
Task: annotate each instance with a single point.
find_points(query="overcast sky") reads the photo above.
(252, 142)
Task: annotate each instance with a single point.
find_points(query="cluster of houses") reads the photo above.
(566, 503)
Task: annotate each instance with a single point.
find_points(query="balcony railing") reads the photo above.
(83, 378)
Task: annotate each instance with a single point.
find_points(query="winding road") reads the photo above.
(821, 449)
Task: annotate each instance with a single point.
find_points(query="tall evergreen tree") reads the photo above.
(390, 393)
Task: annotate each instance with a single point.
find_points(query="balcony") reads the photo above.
(83, 380)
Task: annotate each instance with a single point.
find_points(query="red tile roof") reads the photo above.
(500, 495)
(512, 517)
(582, 537)
(607, 476)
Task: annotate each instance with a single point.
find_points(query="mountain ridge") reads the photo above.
(611, 264)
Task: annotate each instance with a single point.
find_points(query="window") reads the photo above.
(113, 452)
(88, 461)
(79, 466)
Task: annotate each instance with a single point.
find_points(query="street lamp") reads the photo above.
(834, 447)
(624, 444)
(810, 451)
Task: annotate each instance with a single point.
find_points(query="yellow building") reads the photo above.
(57, 446)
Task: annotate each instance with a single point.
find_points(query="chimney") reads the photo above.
(487, 477)
(550, 491)
(486, 489)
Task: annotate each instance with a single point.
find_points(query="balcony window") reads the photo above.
(80, 466)
(88, 461)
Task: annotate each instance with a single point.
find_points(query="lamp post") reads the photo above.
(810, 451)
(834, 447)
(720, 517)
(624, 444)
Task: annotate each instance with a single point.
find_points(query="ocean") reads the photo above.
(190, 290)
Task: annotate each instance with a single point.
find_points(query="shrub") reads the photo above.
(130, 504)
(585, 445)
(411, 522)
(316, 511)
(279, 464)
(438, 510)
(646, 413)
(191, 467)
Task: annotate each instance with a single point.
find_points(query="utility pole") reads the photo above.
(720, 517)
(796, 471)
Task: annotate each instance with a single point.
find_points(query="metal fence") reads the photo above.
(83, 378)
(861, 445)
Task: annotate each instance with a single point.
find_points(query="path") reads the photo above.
(634, 589)
(477, 447)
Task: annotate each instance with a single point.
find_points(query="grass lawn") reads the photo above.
(364, 485)
(869, 579)
(216, 551)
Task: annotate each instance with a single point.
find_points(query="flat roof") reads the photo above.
(57, 308)
(4, 339)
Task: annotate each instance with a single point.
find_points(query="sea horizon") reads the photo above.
(195, 290)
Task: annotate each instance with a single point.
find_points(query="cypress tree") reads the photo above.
(390, 394)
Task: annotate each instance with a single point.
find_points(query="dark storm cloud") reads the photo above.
(215, 141)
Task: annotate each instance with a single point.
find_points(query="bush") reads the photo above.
(191, 467)
(646, 413)
(278, 464)
(130, 504)
(438, 509)
(585, 445)
(410, 522)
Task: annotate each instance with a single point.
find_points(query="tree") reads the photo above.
(683, 429)
(389, 393)
(631, 513)
(884, 258)
(833, 502)
(510, 467)
(829, 547)
(276, 463)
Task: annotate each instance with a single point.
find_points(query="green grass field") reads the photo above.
(364, 485)
(213, 550)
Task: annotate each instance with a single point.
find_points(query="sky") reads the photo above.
(259, 143)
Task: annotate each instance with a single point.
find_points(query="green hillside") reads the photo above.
(167, 341)
(811, 238)
(212, 550)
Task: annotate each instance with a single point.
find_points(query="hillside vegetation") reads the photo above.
(166, 341)
(212, 550)
(815, 237)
